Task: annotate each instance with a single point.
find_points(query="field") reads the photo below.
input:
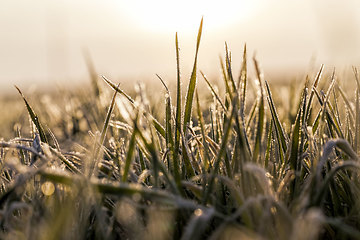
(241, 160)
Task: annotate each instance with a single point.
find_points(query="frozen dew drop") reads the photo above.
(198, 212)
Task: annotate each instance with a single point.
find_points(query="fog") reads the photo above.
(43, 42)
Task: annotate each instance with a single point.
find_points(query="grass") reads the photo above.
(218, 165)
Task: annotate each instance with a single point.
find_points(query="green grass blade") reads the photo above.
(226, 82)
(259, 132)
(331, 119)
(192, 84)
(357, 120)
(261, 115)
(188, 103)
(220, 154)
(177, 116)
(251, 115)
(316, 82)
(294, 161)
(107, 119)
(280, 133)
(130, 153)
(155, 161)
(202, 128)
(268, 146)
(229, 72)
(346, 101)
(316, 122)
(117, 89)
(213, 91)
(260, 119)
(170, 145)
(357, 112)
(322, 189)
(168, 131)
(34, 118)
(242, 83)
(102, 135)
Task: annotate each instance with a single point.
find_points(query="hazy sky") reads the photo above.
(43, 41)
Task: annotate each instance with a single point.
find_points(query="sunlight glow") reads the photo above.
(166, 15)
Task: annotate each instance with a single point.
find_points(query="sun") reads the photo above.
(169, 15)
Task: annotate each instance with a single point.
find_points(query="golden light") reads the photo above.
(165, 15)
(48, 188)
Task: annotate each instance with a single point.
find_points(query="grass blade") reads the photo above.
(102, 135)
(202, 128)
(213, 91)
(130, 153)
(156, 123)
(189, 100)
(280, 133)
(220, 154)
(192, 83)
(242, 84)
(197, 224)
(34, 118)
(294, 161)
(92, 72)
(316, 82)
(261, 115)
(177, 116)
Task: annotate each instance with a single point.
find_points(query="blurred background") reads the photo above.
(43, 42)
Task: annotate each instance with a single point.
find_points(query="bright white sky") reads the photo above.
(42, 42)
